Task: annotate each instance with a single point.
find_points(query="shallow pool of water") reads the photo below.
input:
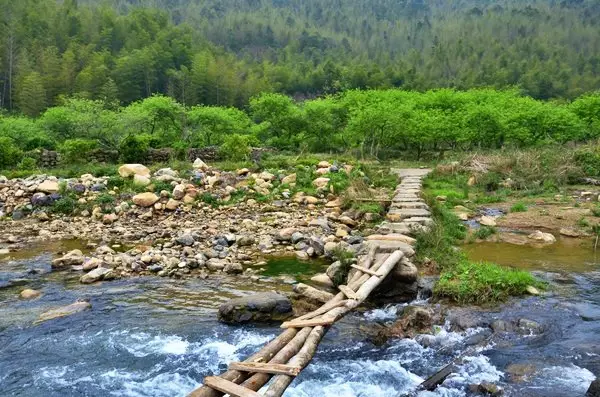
(567, 254)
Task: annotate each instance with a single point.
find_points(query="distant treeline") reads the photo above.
(373, 123)
(215, 52)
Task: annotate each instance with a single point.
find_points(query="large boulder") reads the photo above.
(262, 307)
(147, 199)
(128, 170)
(72, 258)
(312, 293)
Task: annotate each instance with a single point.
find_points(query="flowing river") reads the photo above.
(160, 337)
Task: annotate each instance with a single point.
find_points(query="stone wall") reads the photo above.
(104, 156)
(160, 155)
(209, 153)
(44, 158)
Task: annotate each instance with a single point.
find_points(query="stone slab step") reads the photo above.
(408, 205)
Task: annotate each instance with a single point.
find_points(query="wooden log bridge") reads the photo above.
(282, 359)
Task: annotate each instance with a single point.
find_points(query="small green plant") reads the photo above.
(159, 186)
(210, 199)
(484, 232)
(339, 181)
(345, 258)
(65, 205)
(481, 282)
(519, 207)
(596, 211)
(582, 222)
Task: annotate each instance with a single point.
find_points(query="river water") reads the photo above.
(159, 337)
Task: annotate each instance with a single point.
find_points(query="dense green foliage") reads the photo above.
(213, 52)
(372, 123)
(471, 282)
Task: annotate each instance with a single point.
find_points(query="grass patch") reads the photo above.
(519, 207)
(481, 282)
(484, 232)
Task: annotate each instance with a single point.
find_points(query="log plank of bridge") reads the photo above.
(293, 350)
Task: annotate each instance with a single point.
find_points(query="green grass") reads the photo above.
(481, 282)
(596, 211)
(484, 232)
(519, 207)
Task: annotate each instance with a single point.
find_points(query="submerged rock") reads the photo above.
(64, 311)
(542, 237)
(263, 307)
(30, 294)
(94, 275)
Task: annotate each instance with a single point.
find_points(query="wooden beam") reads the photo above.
(365, 270)
(266, 368)
(348, 292)
(308, 323)
(228, 387)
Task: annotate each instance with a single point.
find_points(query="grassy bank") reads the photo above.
(461, 280)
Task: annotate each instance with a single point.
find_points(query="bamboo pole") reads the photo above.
(265, 354)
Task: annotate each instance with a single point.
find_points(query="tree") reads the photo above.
(32, 95)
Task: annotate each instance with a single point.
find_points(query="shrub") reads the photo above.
(482, 282)
(65, 205)
(10, 154)
(237, 147)
(77, 150)
(484, 232)
(27, 163)
(134, 148)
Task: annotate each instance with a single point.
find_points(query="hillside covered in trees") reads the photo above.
(214, 52)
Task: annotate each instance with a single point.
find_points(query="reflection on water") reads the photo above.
(567, 254)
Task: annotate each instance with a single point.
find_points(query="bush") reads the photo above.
(65, 205)
(27, 163)
(484, 232)
(237, 147)
(482, 282)
(134, 148)
(10, 154)
(77, 150)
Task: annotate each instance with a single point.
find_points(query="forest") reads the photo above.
(374, 76)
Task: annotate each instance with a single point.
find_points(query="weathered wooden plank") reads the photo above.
(266, 368)
(308, 323)
(364, 270)
(348, 292)
(228, 387)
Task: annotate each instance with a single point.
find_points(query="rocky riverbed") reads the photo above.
(179, 231)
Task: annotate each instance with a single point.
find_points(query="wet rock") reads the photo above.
(30, 294)
(128, 170)
(312, 293)
(263, 307)
(155, 268)
(486, 389)
(530, 327)
(594, 390)
(215, 264)
(94, 276)
(463, 319)
(302, 255)
(145, 199)
(531, 290)
(414, 320)
(502, 326)
(72, 258)
(17, 215)
(69, 310)
(425, 286)
(542, 237)
(518, 370)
